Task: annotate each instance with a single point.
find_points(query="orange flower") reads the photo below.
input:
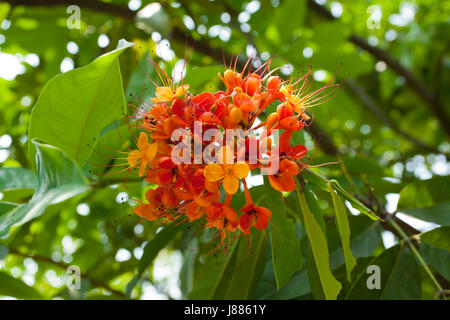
(146, 152)
(150, 211)
(222, 217)
(284, 180)
(296, 101)
(229, 174)
(254, 216)
(167, 94)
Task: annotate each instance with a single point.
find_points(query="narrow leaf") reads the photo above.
(286, 253)
(344, 232)
(330, 285)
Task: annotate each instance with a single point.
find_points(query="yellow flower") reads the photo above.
(227, 172)
(167, 94)
(295, 100)
(146, 152)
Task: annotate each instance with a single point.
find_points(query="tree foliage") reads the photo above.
(384, 137)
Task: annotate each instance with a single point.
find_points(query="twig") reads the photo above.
(64, 266)
(413, 82)
(416, 253)
(370, 104)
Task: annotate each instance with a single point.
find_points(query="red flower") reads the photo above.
(254, 216)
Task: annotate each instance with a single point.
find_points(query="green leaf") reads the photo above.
(435, 249)
(59, 179)
(188, 267)
(17, 178)
(365, 239)
(142, 83)
(74, 107)
(212, 277)
(399, 277)
(286, 254)
(439, 238)
(353, 201)
(427, 200)
(438, 258)
(199, 76)
(151, 250)
(6, 207)
(344, 232)
(289, 17)
(13, 287)
(233, 275)
(330, 285)
(250, 262)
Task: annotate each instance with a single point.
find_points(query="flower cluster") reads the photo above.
(191, 190)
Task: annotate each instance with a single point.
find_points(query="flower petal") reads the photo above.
(163, 94)
(282, 183)
(231, 184)
(240, 170)
(288, 167)
(245, 221)
(151, 151)
(214, 172)
(181, 90)
(145, 211)
(143, 167)
(143, 141)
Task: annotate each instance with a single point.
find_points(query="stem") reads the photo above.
(415, 252)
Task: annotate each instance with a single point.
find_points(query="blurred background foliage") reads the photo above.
(389, 126)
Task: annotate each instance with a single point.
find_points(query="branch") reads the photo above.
(414, 83)
(64, 266)
(379, 113)
(95, 5)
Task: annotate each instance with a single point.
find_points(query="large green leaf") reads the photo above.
(74, 107)
(318, 242)
(214, 274)
(427, 200)
(16, 178)
(289, 17)
(435, 249)
(233, 275)
(439, 237)
(6, 206)
(399, 277)
(188, 267)
(286, 254)
(59, 179)
(250, 262)
(13, 287)
(344, 232)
